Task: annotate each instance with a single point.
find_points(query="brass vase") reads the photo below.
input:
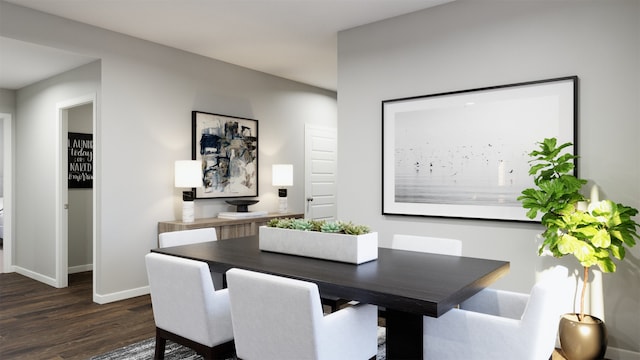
(582, 340)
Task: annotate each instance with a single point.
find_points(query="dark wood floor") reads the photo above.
(41, 322)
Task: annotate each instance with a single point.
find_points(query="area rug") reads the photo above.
(143, 350)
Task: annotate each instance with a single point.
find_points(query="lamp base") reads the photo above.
(188, 211)
(282, 205)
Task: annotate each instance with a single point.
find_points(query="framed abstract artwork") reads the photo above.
(227, 146)
(464, 154)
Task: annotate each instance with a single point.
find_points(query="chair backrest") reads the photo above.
(184, 299)
(496, 302)
(184, 237)
(549, 299)
(468, 334)
(427, 244)
(273, 316)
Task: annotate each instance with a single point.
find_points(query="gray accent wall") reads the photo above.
(469, 44)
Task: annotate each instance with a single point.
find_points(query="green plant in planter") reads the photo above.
(301, 224)
(319, 225)
(595, 235)
(351, 229)
(331, 227)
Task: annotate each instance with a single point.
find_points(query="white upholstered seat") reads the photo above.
(498, 324)
(184, 237)
(427, 244)
(281, 318)
(186, 307)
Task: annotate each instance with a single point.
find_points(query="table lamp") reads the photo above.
(188, 174)
(282, 175)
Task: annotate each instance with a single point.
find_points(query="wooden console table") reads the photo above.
(226, 228)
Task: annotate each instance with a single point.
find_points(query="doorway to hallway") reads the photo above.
(75, 235)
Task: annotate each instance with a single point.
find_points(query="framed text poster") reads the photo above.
(80, 160)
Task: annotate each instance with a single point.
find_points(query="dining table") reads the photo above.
(406, 284)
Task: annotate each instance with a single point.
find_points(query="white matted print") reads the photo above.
(465, 153)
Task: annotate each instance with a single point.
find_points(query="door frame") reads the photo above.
(7, 191)
(62, 193)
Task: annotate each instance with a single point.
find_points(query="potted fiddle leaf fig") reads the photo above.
(594, 233)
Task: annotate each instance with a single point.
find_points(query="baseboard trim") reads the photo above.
(80, 268)
(36, 276)
(621, 354)
(120, 295)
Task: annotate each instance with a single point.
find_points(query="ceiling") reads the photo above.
(22, 63)
(293, 39)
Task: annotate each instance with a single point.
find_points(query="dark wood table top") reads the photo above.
(412, 282)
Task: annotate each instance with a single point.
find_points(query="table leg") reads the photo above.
(404, 335)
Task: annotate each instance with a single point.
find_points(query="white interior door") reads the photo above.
(321, 156)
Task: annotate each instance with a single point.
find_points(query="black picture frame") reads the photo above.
(464, 154)
(80, 160)
(227, 146)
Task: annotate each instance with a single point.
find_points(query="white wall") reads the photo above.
(1, 156)
(8, 101)
(7, 106)
(145, 98)
(469, 44)
(36, 134)
(7, 116)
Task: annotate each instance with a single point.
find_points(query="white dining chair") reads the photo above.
(192, 236)
(184, 237)
(281, 318)
(497, 324)
(187, 309)
(427, 244)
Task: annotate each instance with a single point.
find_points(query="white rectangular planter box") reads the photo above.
(355, 249)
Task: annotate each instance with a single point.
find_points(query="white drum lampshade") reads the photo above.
(282, 175)
(188, 174)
